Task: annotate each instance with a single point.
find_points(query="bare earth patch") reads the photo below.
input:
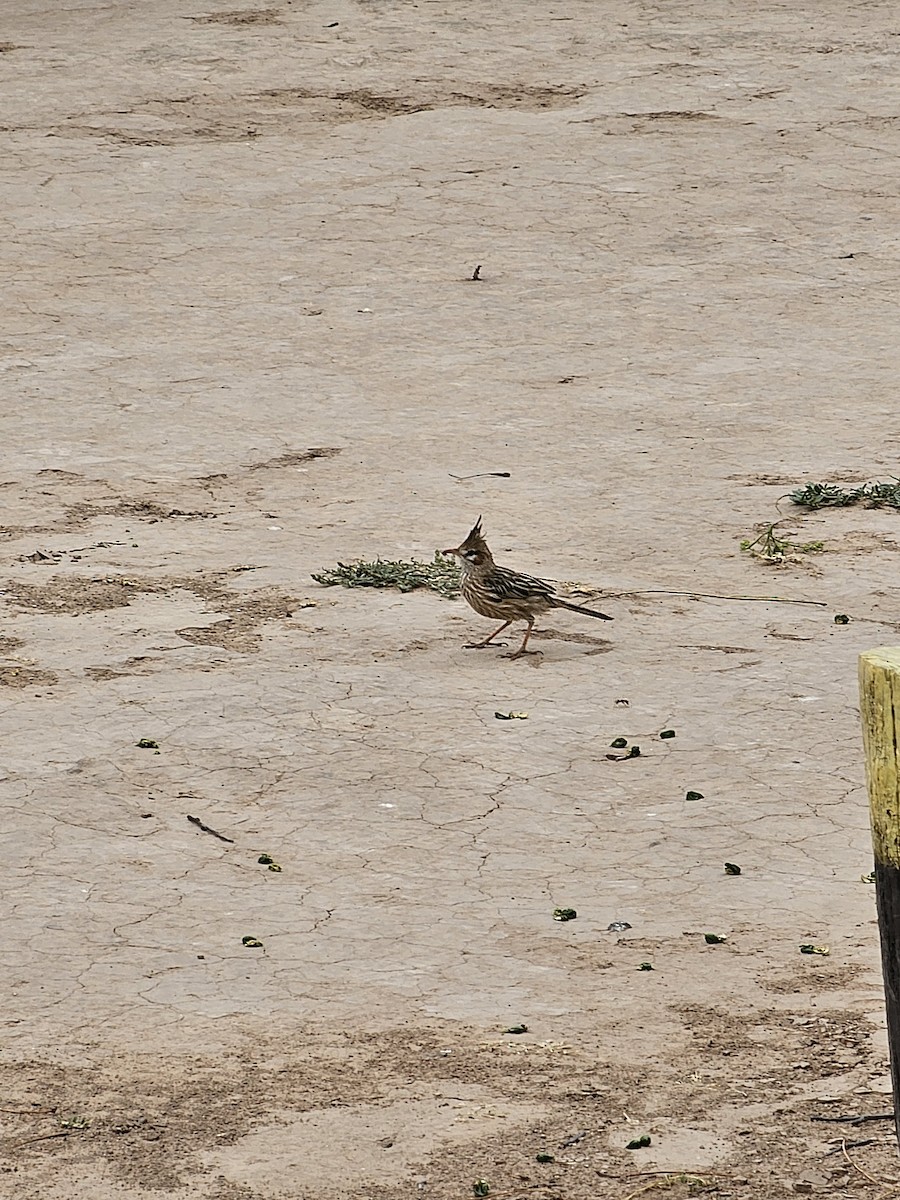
(298, 286)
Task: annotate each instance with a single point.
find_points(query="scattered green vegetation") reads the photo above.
(74, 1123)
(714, 939)
(828, 495)
(441, 575)
(775, 547)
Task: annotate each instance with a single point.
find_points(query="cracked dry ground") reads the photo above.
(243, 343)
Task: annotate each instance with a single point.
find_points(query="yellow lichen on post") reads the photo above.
(879, 694)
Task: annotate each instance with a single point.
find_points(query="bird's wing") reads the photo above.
(513, 585)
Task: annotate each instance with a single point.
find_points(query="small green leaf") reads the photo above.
(841, 619)
(147, 744)
(544, 1158)
(732, 869)
(646, 967)
(481, 1187)
(694, 796)
(618, 743)
(870, 878)
(564, 914)
(667, 733)
(516, 1029)
(273, 866)
(265, 859)
(251, 941)
(809, 948)
(714, 939)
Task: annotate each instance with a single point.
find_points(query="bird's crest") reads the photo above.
(475, 540)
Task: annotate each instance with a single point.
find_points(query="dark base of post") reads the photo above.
(887, 899)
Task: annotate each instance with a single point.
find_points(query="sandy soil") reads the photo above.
(241, 342)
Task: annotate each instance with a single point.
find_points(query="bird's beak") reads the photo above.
(452, 550)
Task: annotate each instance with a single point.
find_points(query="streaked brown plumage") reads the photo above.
(505, 595)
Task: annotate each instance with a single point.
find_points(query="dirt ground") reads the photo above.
(242, 342)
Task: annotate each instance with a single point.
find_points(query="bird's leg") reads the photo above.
(521, 652)
(488, 640)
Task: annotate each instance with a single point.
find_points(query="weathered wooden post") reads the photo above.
(879, 690)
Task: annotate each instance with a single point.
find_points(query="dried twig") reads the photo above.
(865, 1174)
(836, 1149)
(717, 596)
(857, 1119)
(45, 1137)
(482, 475)
(206, 829)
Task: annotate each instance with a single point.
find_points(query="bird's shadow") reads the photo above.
(601, 645)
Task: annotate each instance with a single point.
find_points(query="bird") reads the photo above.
(505, 595)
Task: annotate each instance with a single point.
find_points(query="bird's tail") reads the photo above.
(590, 612)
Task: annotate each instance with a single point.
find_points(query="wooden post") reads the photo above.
(879, 691)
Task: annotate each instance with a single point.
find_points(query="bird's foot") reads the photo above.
(483, 645)
(522, 654)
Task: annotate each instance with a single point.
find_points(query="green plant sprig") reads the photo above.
(440, 576)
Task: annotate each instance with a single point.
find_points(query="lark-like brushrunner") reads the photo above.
(505, 595)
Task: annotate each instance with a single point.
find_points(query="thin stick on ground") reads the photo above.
(865, 1174)
(717, 596)
(45, 1137)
